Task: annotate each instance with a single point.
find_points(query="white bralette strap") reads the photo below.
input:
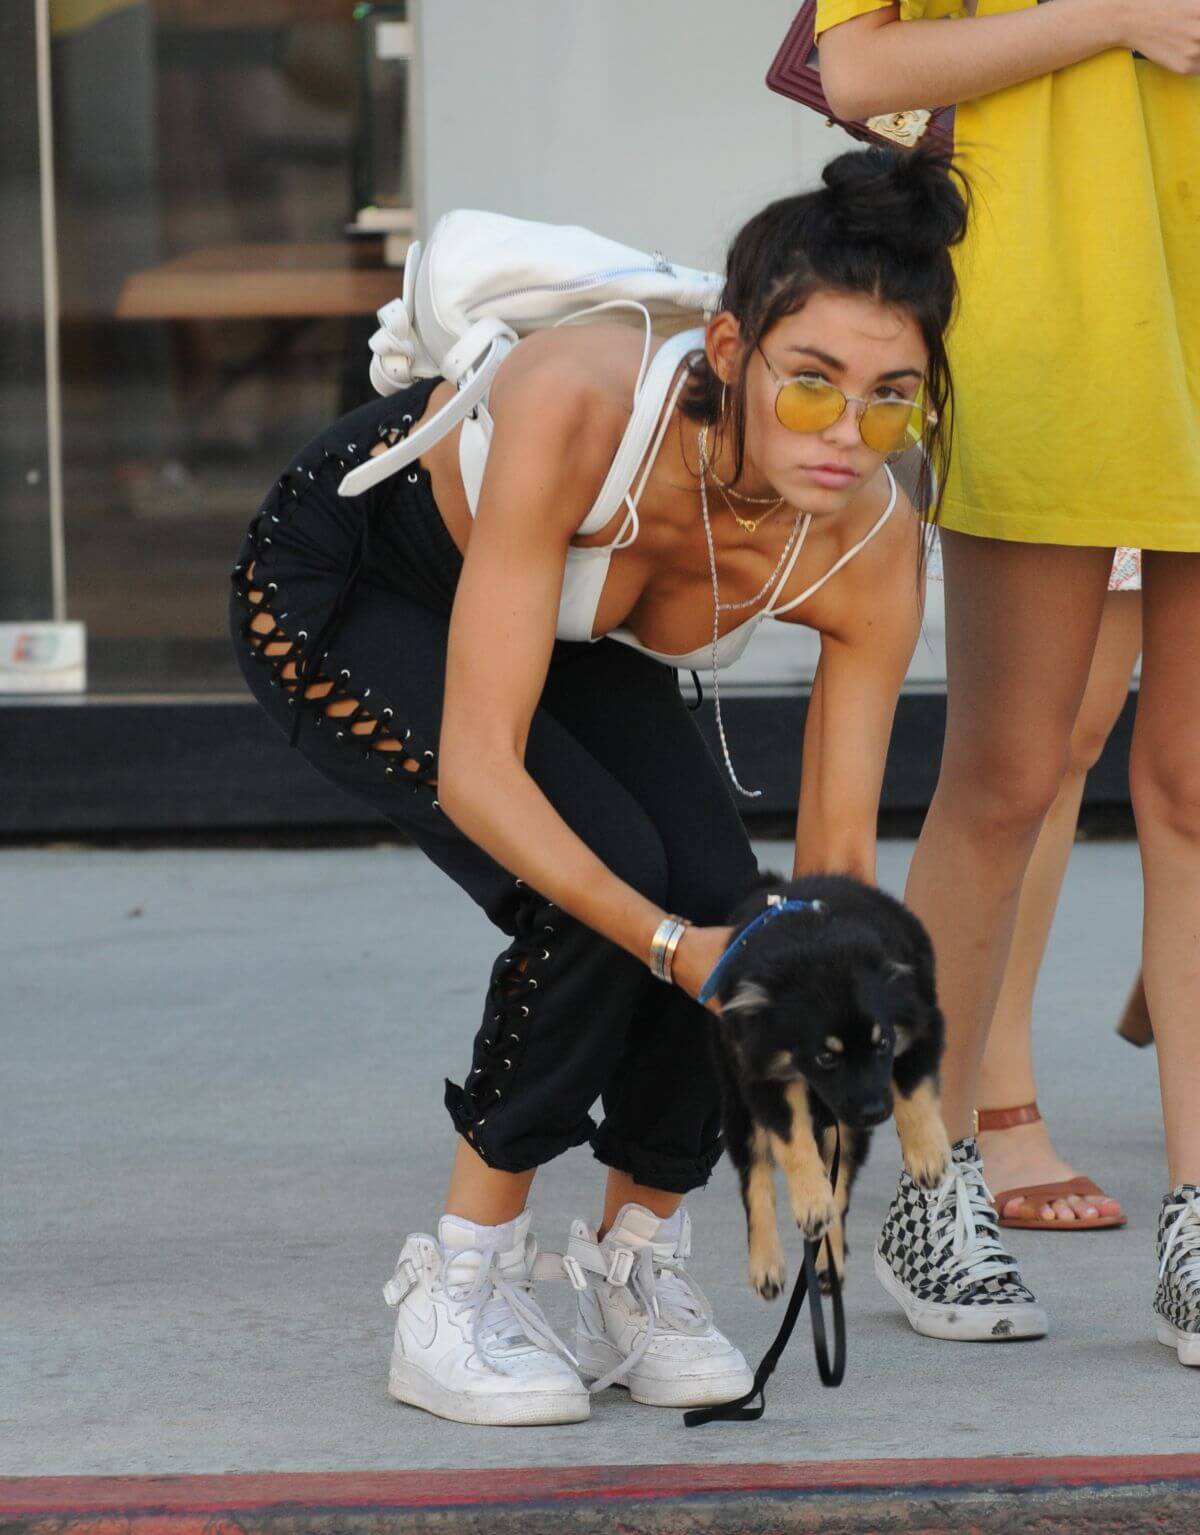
(645, 417)
(845, 559)
(633, 498)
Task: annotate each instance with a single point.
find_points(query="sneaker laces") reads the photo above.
(504, 1311)
(668, 1297)
(966, 1235)
(1184, 1235)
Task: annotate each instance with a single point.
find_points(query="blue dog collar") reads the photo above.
(776, 907)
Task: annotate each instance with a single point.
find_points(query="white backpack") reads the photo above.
(484, 280)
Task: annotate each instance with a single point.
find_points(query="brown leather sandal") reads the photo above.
(1034, 1195)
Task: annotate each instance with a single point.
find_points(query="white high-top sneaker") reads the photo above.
(471, 1341)
(643, 1321)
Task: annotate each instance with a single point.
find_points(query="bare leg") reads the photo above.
(1024, 1154)
(1164, 773)
(1022, 622)
(488, 1197)
(482, 1194)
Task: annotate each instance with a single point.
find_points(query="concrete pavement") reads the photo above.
(220, 1113)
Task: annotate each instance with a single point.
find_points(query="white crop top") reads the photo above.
(587, 567)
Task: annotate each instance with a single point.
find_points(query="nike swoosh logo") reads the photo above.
(422, 1329)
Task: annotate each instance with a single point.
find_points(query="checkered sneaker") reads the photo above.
(939, 1256)
(1177, 1298)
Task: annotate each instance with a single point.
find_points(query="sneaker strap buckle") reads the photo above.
(574, 1272)
(620, 1265)
(550, 1265)
(402, 1282)
(614, 1265)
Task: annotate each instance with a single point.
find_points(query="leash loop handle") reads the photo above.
(832, 1372)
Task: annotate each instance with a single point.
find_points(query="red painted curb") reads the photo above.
(141, 1498)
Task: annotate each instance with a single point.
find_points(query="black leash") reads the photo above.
(807, 1285)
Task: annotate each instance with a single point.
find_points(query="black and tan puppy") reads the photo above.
(829, 1016)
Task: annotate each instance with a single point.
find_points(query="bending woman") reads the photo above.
(1077, 430)
(500, 682)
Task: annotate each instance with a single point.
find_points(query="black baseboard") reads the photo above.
(108, 767)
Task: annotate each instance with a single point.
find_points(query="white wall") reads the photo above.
(646, 120)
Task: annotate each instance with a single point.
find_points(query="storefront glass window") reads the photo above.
(209, 157)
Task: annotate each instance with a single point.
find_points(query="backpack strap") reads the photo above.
(477, 431)
(476, 358)
(647, 411)
(654, 381)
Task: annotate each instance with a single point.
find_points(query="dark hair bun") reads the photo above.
(909, 199)
(882, 225)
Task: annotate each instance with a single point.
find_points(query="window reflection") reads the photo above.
(205, 157)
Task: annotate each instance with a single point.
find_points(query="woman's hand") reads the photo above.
(696, 957)
(1167, 32)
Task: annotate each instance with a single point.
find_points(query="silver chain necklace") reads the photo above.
(720, 607)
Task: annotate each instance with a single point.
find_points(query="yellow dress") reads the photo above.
(1076, 351)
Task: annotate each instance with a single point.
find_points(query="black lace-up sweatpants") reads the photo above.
(358, 593)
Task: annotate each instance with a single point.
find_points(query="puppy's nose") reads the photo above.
(875, 1113)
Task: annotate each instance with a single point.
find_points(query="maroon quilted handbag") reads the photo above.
(796, 73)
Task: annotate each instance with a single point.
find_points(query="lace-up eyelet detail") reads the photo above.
(297, 660)
(517, 978)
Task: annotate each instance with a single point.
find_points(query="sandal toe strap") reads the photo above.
(1043, 1193)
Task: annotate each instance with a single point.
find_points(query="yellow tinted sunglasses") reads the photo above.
(810, 403)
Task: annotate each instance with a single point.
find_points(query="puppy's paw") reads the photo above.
(815, 1210)
(927, 1156)
(770, 1280)
(768, 1267)
(924, 1143)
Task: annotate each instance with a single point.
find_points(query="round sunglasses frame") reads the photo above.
(914, 406)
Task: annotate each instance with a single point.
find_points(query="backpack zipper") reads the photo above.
(661, 267)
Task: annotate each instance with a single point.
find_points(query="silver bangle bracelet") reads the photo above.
(663, 945)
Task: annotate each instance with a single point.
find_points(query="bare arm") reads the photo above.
(545, 467)
(850, 713)
(876, 63)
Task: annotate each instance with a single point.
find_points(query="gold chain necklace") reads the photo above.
(751, 524)
(774, 502)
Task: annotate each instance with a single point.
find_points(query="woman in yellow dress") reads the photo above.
(1076, 362)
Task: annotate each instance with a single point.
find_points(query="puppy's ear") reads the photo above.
(897, 971)
(748, 998)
